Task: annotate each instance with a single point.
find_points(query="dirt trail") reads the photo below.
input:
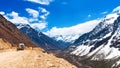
(31, 59)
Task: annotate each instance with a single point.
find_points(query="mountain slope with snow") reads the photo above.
(102, 43)
(70, 34)
(41, 39)
(102, 35)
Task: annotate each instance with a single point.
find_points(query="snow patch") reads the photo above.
(109, 19)
(82, 50)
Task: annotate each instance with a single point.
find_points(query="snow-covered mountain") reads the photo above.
(41, 39)
(66, 40)
(67, 35)
(105, 34)
(103, 42)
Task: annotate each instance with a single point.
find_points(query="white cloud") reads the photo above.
(32, 12)
(44, 2)
(74, 30)
(31, 20)
(104, 12)
(117, 9)
(16, 19)
(44, 12)
(39, 25)
(35, 21)
(44, 17)
(40, 13)
(14, 14)
(1, 12)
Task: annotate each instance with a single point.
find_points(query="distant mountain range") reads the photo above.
(41, 39)
(67, 39)
(68, 35)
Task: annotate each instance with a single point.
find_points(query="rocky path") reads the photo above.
(31, 59)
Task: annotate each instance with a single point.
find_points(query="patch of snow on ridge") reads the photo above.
(116, 10)
(19, 26)
(82, 50)
(109, 19)
(114, 53)
(108, 52)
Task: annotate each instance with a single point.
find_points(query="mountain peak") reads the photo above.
(19, 26)
(104, 36)
(110, 18)
(116, 10)
(2, 18)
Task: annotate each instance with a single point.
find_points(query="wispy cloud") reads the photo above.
(89, 16)
(104, 12)
(32, 12)
(44, 2)
(2, 12)
(15, 18)
(44, 14)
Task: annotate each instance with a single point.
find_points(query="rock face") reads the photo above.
(41, 39)
(9, 33)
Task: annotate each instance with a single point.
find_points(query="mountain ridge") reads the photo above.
(10, 33)
(39, 38)
(99, 45)
(100, 35)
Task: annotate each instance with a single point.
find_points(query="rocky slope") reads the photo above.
(10, 34)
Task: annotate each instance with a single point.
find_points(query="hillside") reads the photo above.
(34, 57)
(10, 34)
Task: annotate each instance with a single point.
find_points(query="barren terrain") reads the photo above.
(31, 59)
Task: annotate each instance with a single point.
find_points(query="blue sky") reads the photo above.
(62, 13)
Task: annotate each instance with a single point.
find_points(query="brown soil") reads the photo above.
(31, 58)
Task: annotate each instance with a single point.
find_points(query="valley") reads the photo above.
(59, 34)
